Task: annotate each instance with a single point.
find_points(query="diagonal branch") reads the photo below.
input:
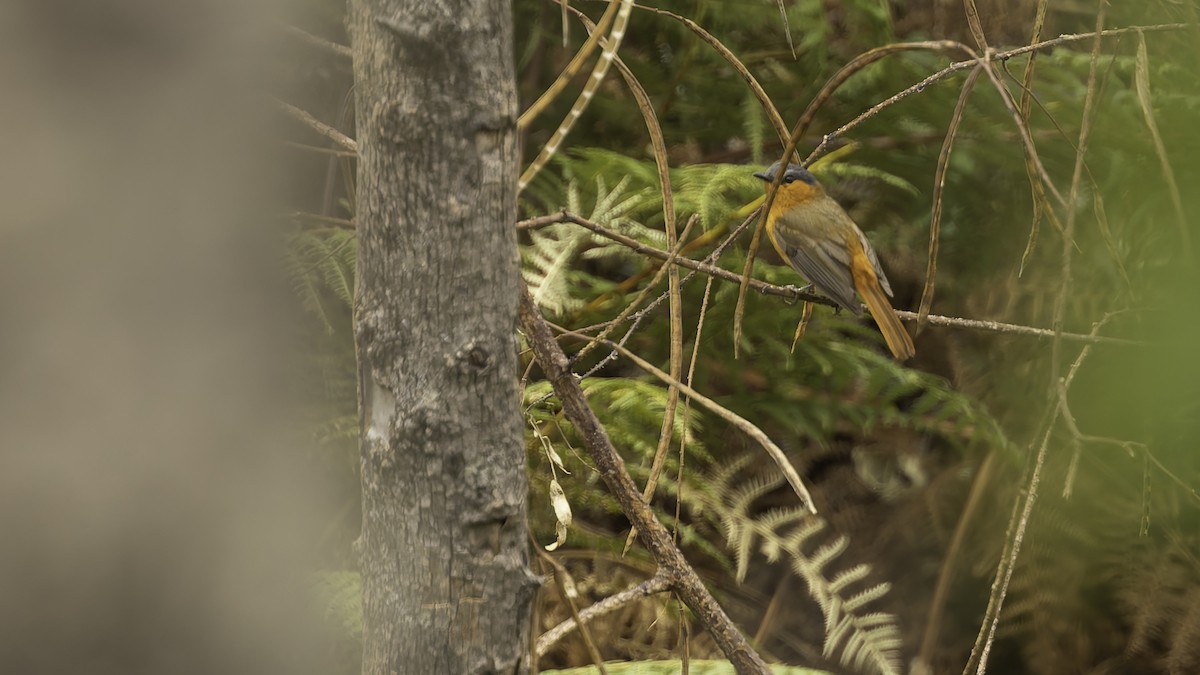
(684, 580)
(318, 126)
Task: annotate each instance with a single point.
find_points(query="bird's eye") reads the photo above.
(789, 179)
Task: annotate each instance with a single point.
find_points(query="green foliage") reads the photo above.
(321, 264)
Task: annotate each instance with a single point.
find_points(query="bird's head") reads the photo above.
(793, 173)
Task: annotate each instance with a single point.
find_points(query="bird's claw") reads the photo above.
(797, 291)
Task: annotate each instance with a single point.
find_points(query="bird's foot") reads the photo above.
(798, 291)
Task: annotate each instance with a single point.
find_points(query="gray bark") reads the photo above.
(446, 585)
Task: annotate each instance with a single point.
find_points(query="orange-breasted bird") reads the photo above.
(819, 240)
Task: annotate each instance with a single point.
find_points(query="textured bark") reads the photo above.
(446, 585)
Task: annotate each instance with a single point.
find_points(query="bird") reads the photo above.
(820, 241)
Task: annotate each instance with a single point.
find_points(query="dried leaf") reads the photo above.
(562, 512)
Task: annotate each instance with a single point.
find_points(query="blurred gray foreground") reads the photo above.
(152, 518)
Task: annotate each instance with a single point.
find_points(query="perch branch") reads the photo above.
(795, 294)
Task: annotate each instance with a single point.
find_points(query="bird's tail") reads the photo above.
(881, 309)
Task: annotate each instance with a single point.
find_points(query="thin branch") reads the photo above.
(1014, 537)
(793, 293)
(1078, 437)
(637, 318)
(653, 535)
(658, 142)
(941, 591)
(972, 62)
(610, 45)
(1142, 85)
(320, 150)
(318, 126)
(975, 24)
(1060, 301)
(319, 42)
(987, 632)
(939, 185)
(1025, 134)
(1038, 191)
(652, 586)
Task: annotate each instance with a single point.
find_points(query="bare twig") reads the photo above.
(1142, 84)
(687, 403)
(974, 23)
(637, 318)
(610, 45)
(1025, 134)
(318, 42)
(654, 585)
(937, 605)
(318, 126)
(658, 142)
(633, 305)
(320, 150)
(1079, 438)
(1038, 191)
(972, 62)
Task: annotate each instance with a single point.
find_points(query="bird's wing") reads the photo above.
(827, 266)
(883, 281)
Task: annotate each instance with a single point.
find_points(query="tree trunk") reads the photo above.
(446, 585)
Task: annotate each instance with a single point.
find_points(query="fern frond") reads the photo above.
(859, 638)
(321, 262)
(549, 258)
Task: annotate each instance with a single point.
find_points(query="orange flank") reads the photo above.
(867, 285)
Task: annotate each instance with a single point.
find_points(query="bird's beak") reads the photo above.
(764, 175)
